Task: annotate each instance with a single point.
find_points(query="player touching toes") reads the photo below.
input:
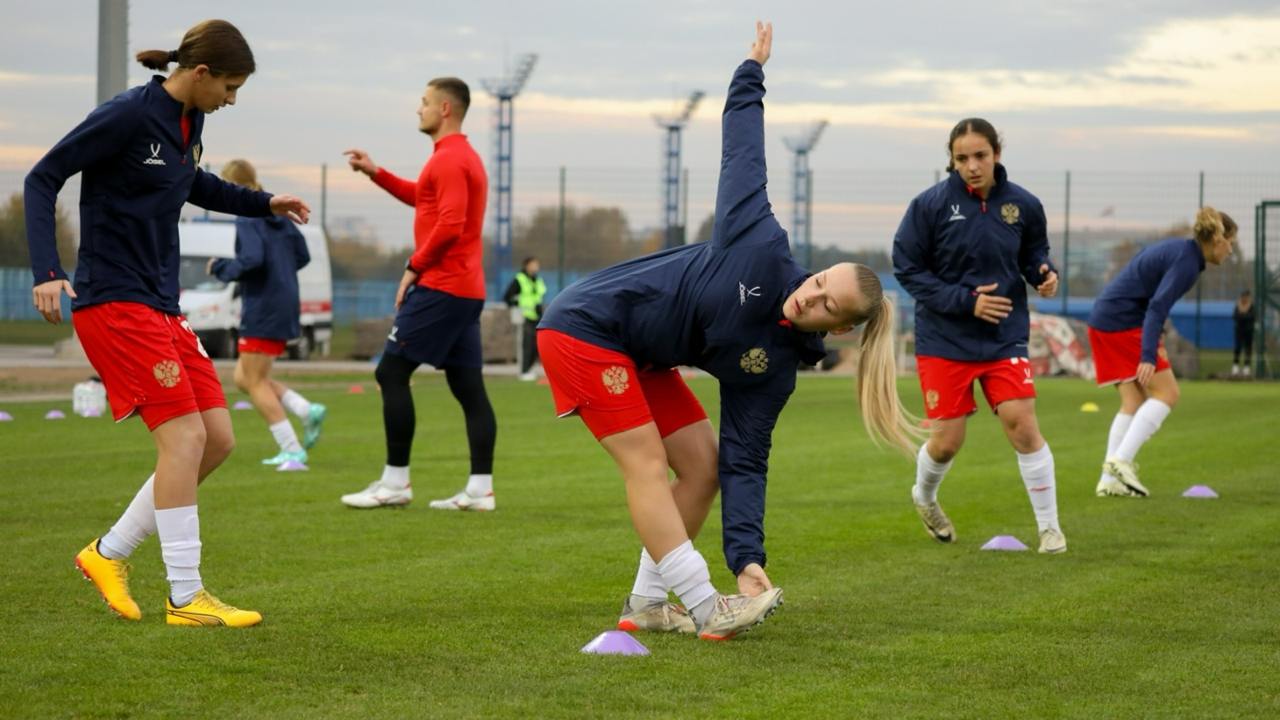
(740, 308)
(1124, 334)
(139, 159)
(965, 249)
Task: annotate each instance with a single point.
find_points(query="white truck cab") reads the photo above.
(213, 307)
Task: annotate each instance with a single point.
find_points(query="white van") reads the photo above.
(212, 307)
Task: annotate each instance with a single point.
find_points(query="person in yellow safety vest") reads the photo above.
(526, 292)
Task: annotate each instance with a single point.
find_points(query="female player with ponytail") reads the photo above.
(740, 308)
(1124, 334)
(965, 250)
(139, 158)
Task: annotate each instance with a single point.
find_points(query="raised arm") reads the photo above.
(741, 199)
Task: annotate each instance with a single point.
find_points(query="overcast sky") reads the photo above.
(1165, 88)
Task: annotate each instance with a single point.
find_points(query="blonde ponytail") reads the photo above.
(886, 420)
(1208, 225)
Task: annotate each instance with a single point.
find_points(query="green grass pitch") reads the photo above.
(1165, 607)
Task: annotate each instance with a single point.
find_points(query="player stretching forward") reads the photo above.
(139, 159)
(1124, 334)
(963, 250)
(740, 308)
(439, 301)
(269, 254)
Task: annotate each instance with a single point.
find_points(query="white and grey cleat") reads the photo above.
(1108, 486)
(463, 501)
(1052, 541)
(1127, 473)
(736, 614)
(935, 521)
(379, 495)
(660, 616)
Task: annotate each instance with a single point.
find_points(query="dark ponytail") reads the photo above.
(216, 44)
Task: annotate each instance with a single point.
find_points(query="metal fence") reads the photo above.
(580, 218)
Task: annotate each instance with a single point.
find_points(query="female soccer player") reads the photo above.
(139, 155)
(1124, 333)
(740, 308)
(963, 251)
(269, 253)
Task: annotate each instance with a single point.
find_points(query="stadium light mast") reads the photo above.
(802, 196)
(113, 48)
(504, 90)
(674, 124)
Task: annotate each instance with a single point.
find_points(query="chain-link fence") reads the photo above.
(580, 218)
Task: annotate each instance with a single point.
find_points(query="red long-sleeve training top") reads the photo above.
(449, 198)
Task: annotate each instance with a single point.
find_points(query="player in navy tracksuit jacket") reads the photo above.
(1124, 335)
(965, 249)
(740, 308)
(269, 254)
(138, 155)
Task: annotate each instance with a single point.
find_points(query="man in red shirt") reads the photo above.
(439, 301)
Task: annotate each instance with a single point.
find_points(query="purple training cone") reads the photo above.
(242, 405)
(5, 417)
(1200, 491)
(615, 642)
(54, 415)
(1004, 542)
(291, 466)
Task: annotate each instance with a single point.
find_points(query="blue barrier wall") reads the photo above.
(357, 300)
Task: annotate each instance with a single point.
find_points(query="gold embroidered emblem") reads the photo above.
(195, 152)
(167, 373)
(1010, 213)
(931, 399)
(754, 361)
(616, 380)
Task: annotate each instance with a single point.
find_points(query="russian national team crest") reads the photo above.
(616, 380)
(167, 373)
(754, 361)
(931, 399)
(1010, 213)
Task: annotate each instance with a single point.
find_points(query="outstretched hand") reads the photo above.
(763, 45)
(292, 207)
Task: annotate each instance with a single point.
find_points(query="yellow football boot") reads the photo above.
(111, 578)
(207, 610)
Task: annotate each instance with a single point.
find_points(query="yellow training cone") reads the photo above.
(1089, 407)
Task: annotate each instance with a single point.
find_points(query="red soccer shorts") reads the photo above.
(151, 363)
(1116, 355)
(948, 384)
(604, 387)
(265, 346)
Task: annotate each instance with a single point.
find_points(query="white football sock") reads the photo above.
(684, 570)
(395, 477)
(296, 404)
(649, 587)
(929, 474)
(136, 524)
(479, 486)
(1038, 476)
(1146, 422)
(179, 530)
(1119, 426)
(285, 437)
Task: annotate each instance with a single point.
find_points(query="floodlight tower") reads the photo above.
(802, 197)
(674, 124)
(504, 90)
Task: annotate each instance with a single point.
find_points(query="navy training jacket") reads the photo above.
(136, 174)
(716, 306)
(1144, 292)
(269, 254)
(951, 241)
